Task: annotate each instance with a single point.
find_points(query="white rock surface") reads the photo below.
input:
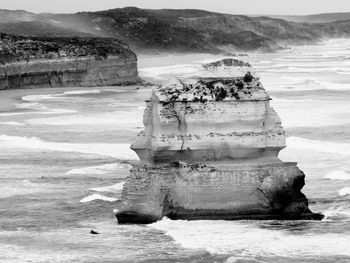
(210, 151)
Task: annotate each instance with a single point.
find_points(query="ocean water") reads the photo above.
(65, 156)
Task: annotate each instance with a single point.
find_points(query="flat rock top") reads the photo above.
(224, 80)
(225, 68)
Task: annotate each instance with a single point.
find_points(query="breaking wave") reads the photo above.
(120, 119)
(319, 146)
(42, 109)
(311, 112)
(32, 102)
(111, 188)
(338, 175)
(337, 213)
(12, 123)
(39, 109)
(344, 191)
(25, 187)
(81, 92)
(250, 241)
(95, 197)
(119, 151)
(99, 169)
(303, 85)
(37, 98)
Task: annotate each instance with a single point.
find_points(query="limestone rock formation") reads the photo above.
(64, 62)
(210, 151)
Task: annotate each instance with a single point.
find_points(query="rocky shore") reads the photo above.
(210, 151)
(62, 62)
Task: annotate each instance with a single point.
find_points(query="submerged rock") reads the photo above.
(210, 151)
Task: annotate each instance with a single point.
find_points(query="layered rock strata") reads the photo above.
(210, 151)
(68, 72)
(62, 62)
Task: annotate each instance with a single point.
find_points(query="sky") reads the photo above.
(249, 7)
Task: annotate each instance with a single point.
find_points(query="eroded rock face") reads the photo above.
(83, 72)
(210, 151)
(27, 62)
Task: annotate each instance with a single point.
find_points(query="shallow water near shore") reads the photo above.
(65, 155)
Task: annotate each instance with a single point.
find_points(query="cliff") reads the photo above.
(55, 62)
(183, 30)
(210, 151)
(316, 18)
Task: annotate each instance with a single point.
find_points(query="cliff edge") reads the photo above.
(28, 62)
(210, 151)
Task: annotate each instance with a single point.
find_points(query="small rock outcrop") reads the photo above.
(65, 61)
(210, 151)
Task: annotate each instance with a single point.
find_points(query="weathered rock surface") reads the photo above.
(63, 62)
(210, 151)
(68, 72)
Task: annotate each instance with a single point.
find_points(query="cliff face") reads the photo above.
(61, 62)
(277, 30)
(85, 72)
(317, 18)
(210, 151)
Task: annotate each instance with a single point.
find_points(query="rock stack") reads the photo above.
(210, 151)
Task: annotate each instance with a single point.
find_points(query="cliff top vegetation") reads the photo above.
(20, 48)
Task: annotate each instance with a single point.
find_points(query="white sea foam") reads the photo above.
(117, 119)
(305, 67)
(294, 59)
(301, 83)
(7, 114)
(319, 146)
(97, 197)
(333, 86)
(260, 62)
(31, 105)
(311, 112)
(33, 101)
(47, 112)
(338, 175)
(139, 105)
(337, 213)
(25, 187)
(98, 170)
(119, 151)
(12, 123)
(342, 72)
(81, 92)
(6, 192)
(58, 111)
(111, 188)
(295, 70)
(57, 96)
(42, 109)
(344, 191)
(248, 240)
(37, 98)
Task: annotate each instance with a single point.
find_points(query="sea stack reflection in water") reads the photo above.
(210, 151)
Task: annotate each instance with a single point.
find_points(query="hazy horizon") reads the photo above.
(247, 7)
